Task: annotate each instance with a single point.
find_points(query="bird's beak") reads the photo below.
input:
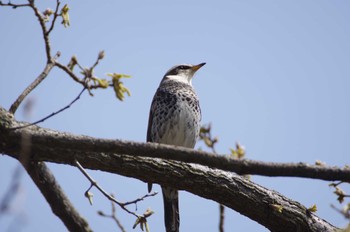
(198, 66)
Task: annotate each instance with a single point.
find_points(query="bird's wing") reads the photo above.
(149, 128)
(150, 121)
(151, 116)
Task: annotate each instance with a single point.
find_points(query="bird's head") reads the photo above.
(182, 73)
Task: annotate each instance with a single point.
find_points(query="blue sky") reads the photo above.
(276, 79)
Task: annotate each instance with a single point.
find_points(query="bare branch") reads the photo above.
(34, 84)
(55, 15)
(46, 183)
(69, 72)
(82, 81)
(345, 212)
(139, 199)
(110, 196)
(113, 216)
(52, 114)
(44, 30)
(99, 57)
(50, 61)
(14, 6)
(58, 201)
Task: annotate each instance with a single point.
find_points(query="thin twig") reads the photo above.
(50, 61)
(96, 63)
(34, 84)
(109, 196)
(70, 73)
(55, 15)
(44, 30)
(113, 216)
(335, 184)
(14, 6)
(83, 81)
(52, 114)
(346, 214)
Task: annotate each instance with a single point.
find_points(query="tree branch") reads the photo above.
(34, 84)
(55, 15)
(43, 28)
(58, 201)
(14, 6)
(83, 81)
(110, 196)
(52, 114)
(43, 138)
(229, 189)
(50, 189)
(70, 73)
(113, 216)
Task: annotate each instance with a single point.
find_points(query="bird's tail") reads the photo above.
(171, 209)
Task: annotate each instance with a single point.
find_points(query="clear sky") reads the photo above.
(277, 79)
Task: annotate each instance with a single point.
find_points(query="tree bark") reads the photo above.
(58, 201)
(267, 207)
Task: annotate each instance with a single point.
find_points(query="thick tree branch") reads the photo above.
(51, 190)
(43, 138)
(229, 189)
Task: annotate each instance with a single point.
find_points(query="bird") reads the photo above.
(174, 119)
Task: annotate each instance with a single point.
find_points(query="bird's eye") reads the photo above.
(183, 67)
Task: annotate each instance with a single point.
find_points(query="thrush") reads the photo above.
(174, 119)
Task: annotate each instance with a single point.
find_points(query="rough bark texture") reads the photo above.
(43, 178)
(58, 201)
(229, 189)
